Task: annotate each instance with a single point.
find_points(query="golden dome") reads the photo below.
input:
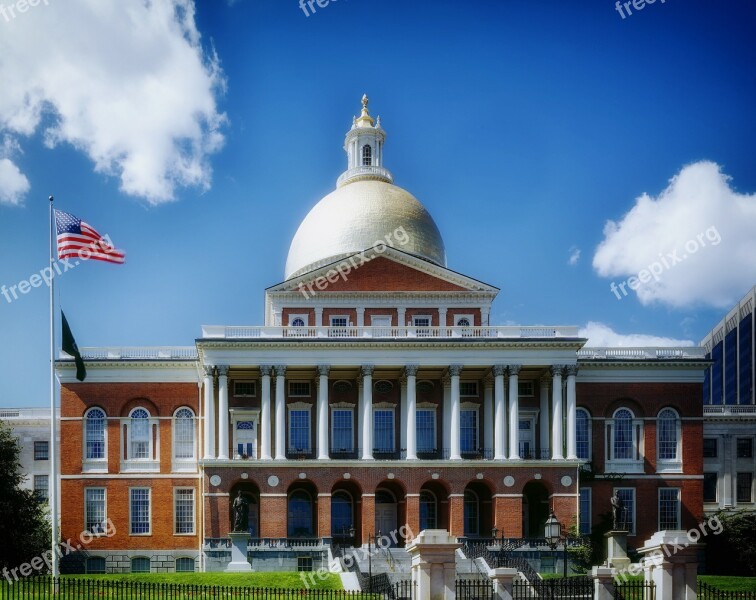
(354, 218)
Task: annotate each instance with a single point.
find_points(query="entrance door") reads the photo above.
(385, 520)
(526, 438)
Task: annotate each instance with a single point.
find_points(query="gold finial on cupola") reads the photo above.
(365, 119)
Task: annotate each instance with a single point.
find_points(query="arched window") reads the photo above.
(367, 155)
(94, 434)
(183, 435)
(300, 514)
(428, 510)
(139, 434)
(472, 514)
(623, 435)
(185, 565)
(342, 518)
(140, 564)
(95, 565)
(463, 322)
(298, 322)
(668, 435)
(583, 434)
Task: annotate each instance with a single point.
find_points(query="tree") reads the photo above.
(733, 551)
(24, 525)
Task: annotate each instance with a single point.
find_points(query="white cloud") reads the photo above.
(125, 82)
(697, 235)
(574, 256)
(601, 335)
(13, 183)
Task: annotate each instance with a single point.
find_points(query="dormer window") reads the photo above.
(367, 155)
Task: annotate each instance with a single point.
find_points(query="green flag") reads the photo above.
(70, 347)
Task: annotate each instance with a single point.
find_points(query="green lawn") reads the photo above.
(288, 579)
(730, 584)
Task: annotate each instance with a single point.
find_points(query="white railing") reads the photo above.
(223, 332)
(686, 352)
(747, 409)
(138, 353)
(365, 170)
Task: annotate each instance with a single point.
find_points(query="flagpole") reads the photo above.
(53, 485)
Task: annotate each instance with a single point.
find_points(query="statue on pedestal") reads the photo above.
(240, 509)
(618, 509)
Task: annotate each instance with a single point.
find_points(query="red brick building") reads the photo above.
(376, 397)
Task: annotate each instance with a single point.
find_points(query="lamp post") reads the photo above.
(553, 534)
(500, 554)
(370, 562)
(352, 531)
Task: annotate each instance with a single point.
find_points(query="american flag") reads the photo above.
(76, 239)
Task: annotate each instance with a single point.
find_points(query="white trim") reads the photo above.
(667, 465)
(94, 465)
(348, 409)
(105, 507)
(244, 415)
(194, 511)
(149, 514)
(299, 406)
(658, 507)
(303, 316)
(142, 476)
(188, 465)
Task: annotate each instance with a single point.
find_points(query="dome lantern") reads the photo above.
(364, 147)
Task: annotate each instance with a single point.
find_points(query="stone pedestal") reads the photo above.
(239, 562)
(670, 560)
(434, 566)
(603, 582)
(503, 579)
(616, 549)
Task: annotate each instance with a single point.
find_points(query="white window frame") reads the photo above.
(633, 515)
(472, 407)
(667, 465)
(590, 510)
(462, 330)
(149, 511)
(304, 318)
(244, 414)
(152, 462)
(385, 406)
(469, 382)
(422, 330)
(338, 330)
(185, 465)
(350, 409)
(94, 465)
(46, 452)
(246, 381)
(298, 381)
(678, 516)
(521, 384)
(433, 411)
(39, 477)
(624, 465)
(104, 510)
(176, 491)
(590, 432)
(299, 406)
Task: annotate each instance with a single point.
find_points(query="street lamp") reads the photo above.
(553, 534)
(500, 554)
(352, 531)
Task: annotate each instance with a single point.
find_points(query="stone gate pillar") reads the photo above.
(434, 568)
(670, 560)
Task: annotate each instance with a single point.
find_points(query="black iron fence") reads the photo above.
(635, 590)
(572, 588)
(708, 592)
(474, 589)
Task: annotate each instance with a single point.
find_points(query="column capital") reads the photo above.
(318, 309)
(455, 370)
(411, 370)
(445, 380)
(545, 380)
(323, 370)
(265, 370)
(499, 370)
(360, 310)
(488, 381)
(556, 370)
(280, 370)
(571, 370)
(208, 370)
(222, 370)
(514, 370)
(367, 370)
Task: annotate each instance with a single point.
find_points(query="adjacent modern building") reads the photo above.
(375, 397)
(730, 410)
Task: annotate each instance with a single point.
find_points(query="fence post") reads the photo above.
(670, 560)
(603, 583)
(503, 579)
(434, 569)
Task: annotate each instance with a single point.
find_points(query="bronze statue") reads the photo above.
(241, 512)
(618, 506)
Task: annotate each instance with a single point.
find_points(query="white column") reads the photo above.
(400, 314)
(557, 452)
(223, 411)
(442, 318)
(280, 412)
(500, 413)
(514, 412)
(265, 413)
(318, 316)
(360, 317)
(403, 413)
(209, 413)
(571, 371)
(411, 414)
(454, 453)
(545, 427)
(488, 416)
(323, 371)
(446, 418)
(367, 412)
(484, 312)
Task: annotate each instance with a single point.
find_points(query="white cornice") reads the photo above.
(131, 372)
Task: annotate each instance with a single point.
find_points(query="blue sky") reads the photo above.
(559, 147)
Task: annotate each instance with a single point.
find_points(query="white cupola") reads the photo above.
(364, 148)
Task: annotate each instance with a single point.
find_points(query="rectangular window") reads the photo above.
(710, 487)
(710, 447)
(299, 389)
(342, 427)
(245, 388)
(299, 431)
(139, 509)
(94, 510)
(425, 427)
(304, 563)
(423, 325)
(468, 388)
(744, 447)
(524, 388)
(41, 451)
(744, 486)
(41, 487)
(184, 510)
(339, 321)
(468, 430)
(669, 508)
(383, 426)
(585, 511)
(627, 518)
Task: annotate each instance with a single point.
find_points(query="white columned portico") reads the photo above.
(367, 411)
(545, 426)
(571, 371)
(500, 413)
(411, 411)
(265, 413)
(488, 416)
(209, 412)
(514, 412)
(557, 452)
(323, 371)
(454, 449)
(223, 413)
(280, 412)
